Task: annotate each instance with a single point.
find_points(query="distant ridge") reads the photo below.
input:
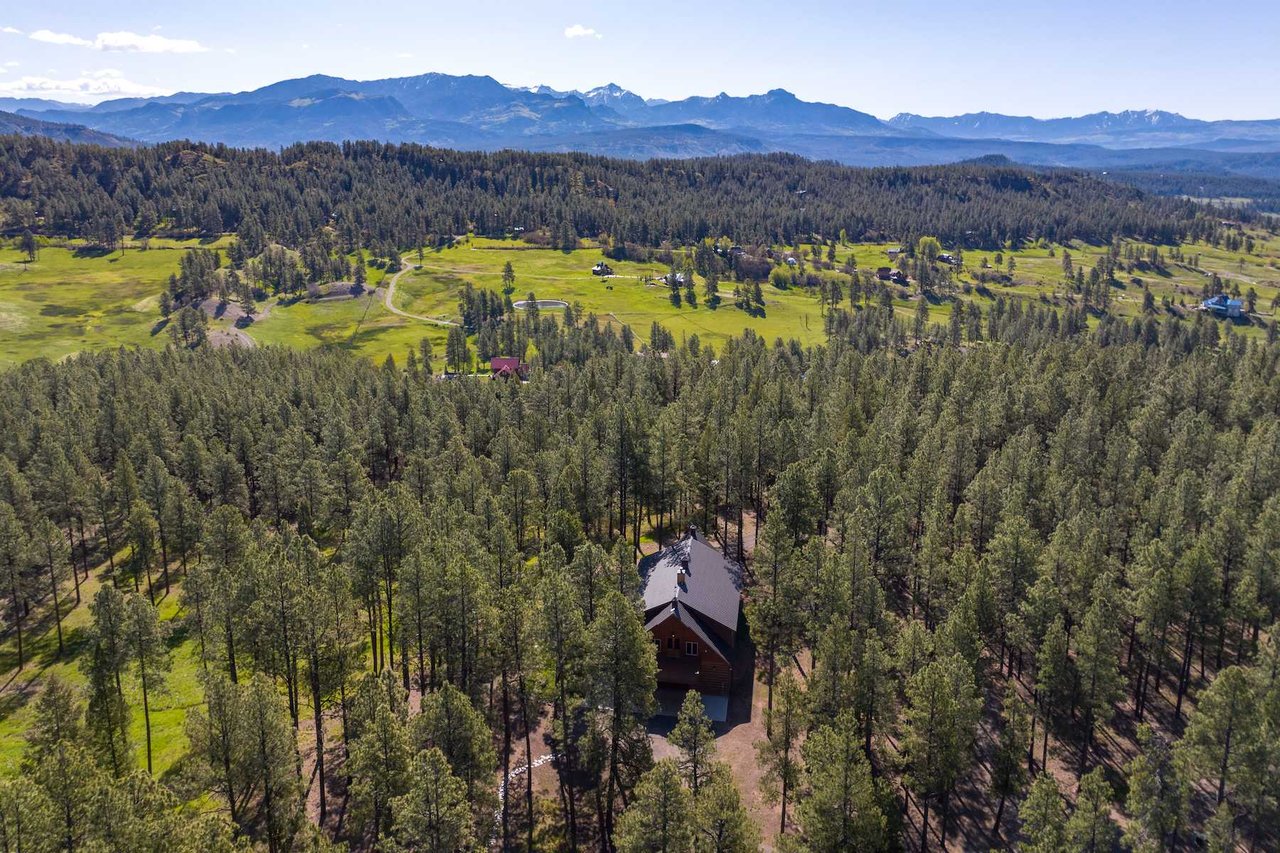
(476, 112)
(27, 126)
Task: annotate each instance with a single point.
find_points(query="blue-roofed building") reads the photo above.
(1223, 306)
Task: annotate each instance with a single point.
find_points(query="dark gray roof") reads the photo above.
(688, 618)
(712, 582)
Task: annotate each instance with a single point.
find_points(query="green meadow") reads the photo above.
(72, 299)
(169, 704)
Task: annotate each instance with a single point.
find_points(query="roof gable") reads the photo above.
(689, 619)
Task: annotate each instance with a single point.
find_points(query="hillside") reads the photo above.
(12, 124)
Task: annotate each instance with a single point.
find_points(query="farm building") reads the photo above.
(692, 599)
(1223, 306)
(884, 273)
(601, 268)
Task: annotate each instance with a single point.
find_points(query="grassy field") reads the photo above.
(70, 300)
(624, 298)
(169, 706)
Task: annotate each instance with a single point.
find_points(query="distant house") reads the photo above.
(947, 258)
(504, 367)
(676, 278)
(601, 268)
(692, 598)
(884, 273)
(1223, 306)
(791, 262)
(899, 277)
(893, 253)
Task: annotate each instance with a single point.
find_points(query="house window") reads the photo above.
(691, 649)
(671, 642)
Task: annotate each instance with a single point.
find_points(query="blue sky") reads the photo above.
(1033, 57)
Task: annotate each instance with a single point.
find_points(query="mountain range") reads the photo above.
(478, 112)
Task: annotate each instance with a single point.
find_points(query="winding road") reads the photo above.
(389, 299)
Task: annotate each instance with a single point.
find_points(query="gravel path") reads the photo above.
(389, 300)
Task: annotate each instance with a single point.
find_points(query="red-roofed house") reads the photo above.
(508, 367)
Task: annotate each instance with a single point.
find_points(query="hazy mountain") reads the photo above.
(775, 110)
(1129, 129)
(474, 111)
(12, 105)
(11, 123)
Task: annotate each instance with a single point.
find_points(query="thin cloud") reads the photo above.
(50, 37)
(132, 42)
(89, 87)
(122, 41)
(13, 31)
(577, 31)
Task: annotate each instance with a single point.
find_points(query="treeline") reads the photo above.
(387, 197)
(1234, 191)
(991, 544)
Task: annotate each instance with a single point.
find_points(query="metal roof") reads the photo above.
(712, 582)
(689, 619)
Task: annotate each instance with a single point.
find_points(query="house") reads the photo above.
(504, 367)
(1223, 306)
(947, 258)
(692, 600)
(884, 273)
(676, 278)
(899, 277)
(893, 253)
(601, 268)
(791, 262)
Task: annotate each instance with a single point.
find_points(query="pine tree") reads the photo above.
(433, 813)
(1098, 663)
(621, 677)
(1008, 773)
(937, 741)
(840, 809)
(13, 564)
(1043, 822)
(1157, 798)
(149, 654)
(380, 758)
(696, 741)
(109, 654)
(779, 754)
(56, 761)
(721, 822)
(659, 818)
(1225, 721)
(1090, 829)
(53, 551)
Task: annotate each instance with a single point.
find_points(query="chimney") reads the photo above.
(683, 574)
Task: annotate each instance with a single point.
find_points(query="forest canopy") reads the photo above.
(400, 196)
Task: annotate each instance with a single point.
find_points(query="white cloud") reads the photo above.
(577, 31)
(123, 41)
(12, 63)
(404, 55)
(13, 31)
(146, 44)
(50, 37)
(89, 87)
